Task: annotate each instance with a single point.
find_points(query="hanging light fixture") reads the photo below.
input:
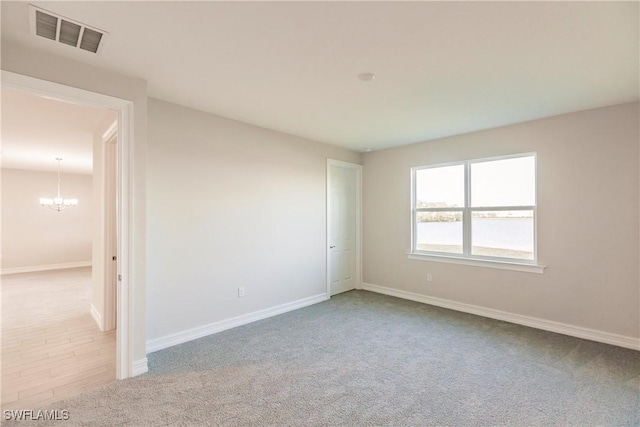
(58, 203)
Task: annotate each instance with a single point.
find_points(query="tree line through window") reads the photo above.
(476, 209)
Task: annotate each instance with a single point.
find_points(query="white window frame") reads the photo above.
(466, 257)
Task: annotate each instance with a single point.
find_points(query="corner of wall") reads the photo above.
(95, 313)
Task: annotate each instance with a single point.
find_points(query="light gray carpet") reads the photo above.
(368, 359)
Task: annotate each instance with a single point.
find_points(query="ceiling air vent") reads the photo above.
(67, 31)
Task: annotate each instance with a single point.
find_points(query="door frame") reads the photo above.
(358, 169)
(124, 108)
(110, 228)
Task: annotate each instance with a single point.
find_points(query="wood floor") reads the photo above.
(51, 346)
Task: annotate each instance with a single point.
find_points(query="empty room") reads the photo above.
(56, 335)
(324, 213)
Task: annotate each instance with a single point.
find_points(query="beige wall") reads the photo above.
(233, 204)
(33, 235)
(229, 205)
(588, 174)
(46, 66)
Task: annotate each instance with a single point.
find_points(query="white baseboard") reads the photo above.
(533, 322)
(212, 328)
(96, 316)
(34, 268)
(139, 367)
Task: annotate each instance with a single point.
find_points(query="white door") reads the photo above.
(342, 225)
(111, 233)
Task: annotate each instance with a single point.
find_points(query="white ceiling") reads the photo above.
(36, 130)
(443, 68)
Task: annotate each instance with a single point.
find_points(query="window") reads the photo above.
(480, 209)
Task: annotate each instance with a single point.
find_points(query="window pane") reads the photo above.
(439, 232)
(507, 234)
(510, 182)
(440, 187)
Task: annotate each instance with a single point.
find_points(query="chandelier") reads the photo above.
(58, 203)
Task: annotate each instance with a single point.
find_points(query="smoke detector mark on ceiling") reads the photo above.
(64, 30)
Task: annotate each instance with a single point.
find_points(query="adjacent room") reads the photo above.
(55, 338)
(328, 213)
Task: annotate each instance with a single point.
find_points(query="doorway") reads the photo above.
(344, 183)
(51, 348)
(125, 312)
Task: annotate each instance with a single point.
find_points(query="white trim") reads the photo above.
(139, 367)
(467, 222)
(61, 92)
(96, 316)
(222, 325)
(358, 169)
(46, 267)
(533, 322)
(502, 265)
(126, 308)
(110, 132)
(109, 225)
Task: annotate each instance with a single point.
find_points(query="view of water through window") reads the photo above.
(501, 237)
(499, 202)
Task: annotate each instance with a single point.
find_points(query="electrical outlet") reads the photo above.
(429, 277)
(240, 291)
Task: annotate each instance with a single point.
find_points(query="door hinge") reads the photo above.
(114, 258)
(119, 277)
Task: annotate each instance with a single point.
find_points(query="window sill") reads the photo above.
(503, 265)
